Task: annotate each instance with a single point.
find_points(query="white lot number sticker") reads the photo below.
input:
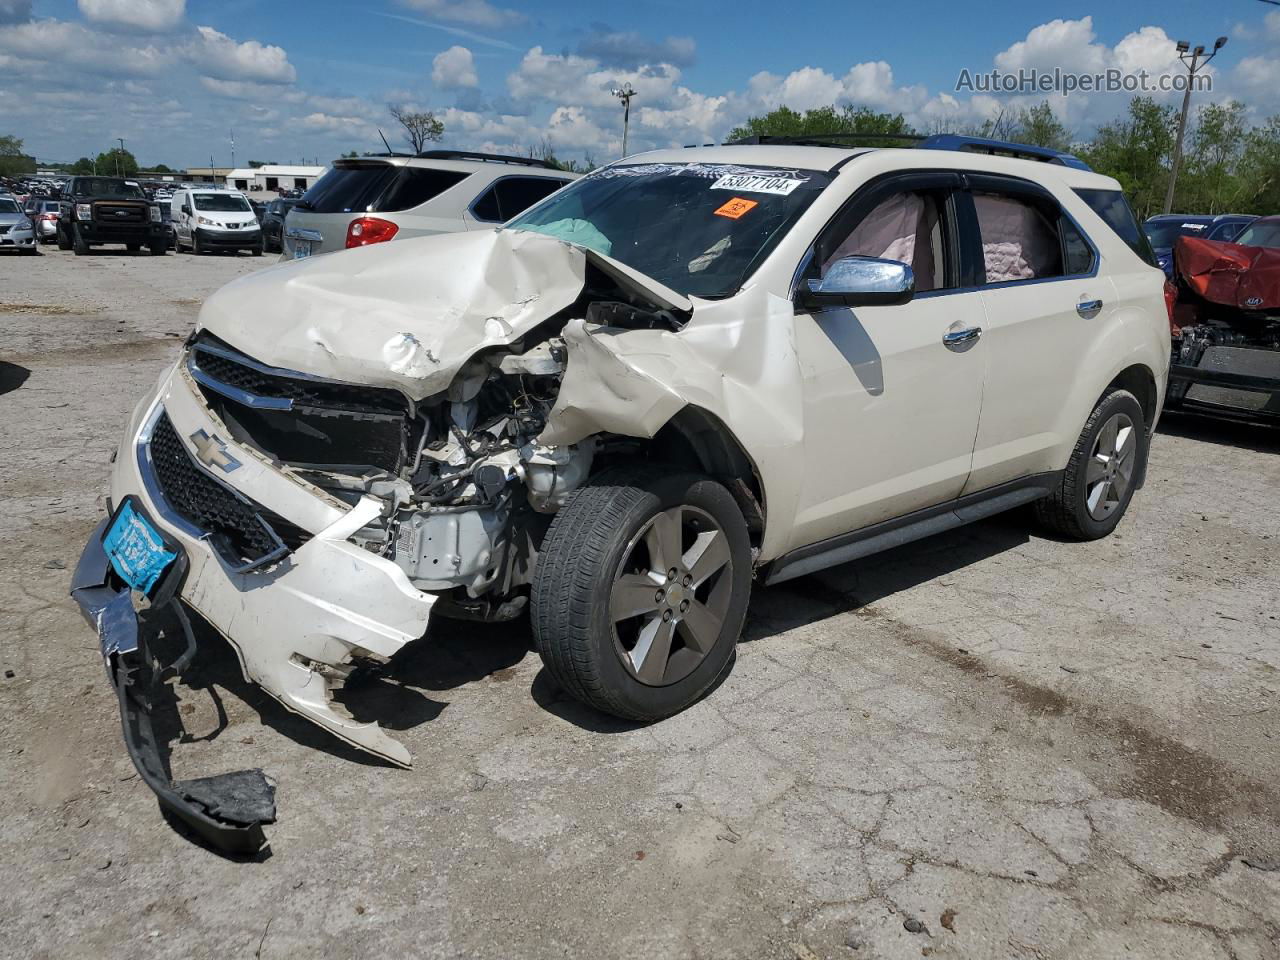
(756, 183)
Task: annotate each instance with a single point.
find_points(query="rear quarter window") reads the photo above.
(510, 196)
(1115, 211)
(377, 188)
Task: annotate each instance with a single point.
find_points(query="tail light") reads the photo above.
(363, 231)
(48, 216)
(1170, 302)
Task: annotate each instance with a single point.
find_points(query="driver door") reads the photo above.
(891, 408)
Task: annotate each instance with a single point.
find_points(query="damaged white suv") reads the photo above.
(687, 372)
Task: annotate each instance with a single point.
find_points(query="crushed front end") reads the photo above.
(315, 521)
(1226, 331)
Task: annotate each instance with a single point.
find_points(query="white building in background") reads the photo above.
(273, 177)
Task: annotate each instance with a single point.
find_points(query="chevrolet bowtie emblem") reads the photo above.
(212, 452)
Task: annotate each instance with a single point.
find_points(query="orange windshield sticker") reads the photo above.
(735, 208)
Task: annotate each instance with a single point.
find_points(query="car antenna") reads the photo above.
(384, 141)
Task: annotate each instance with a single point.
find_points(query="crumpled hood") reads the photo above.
(1231, 274)
(405, 315)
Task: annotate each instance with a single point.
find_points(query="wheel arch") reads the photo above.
(697, 439)
(1141, 382)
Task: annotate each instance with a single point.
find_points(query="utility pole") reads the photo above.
(624, 93)
(1197, 62)
(233, 149)
(119, 155)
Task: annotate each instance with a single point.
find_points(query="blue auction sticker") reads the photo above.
(136, 550)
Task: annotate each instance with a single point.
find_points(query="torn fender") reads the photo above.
(736, 359)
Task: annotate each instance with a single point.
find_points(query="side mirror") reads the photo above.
(186, 209)
(859, 282)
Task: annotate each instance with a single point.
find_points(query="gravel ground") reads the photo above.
(988, 745)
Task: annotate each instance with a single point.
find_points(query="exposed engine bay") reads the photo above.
(1225, 317)
(466, 485)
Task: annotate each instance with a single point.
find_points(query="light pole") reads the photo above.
(119, 155)
(1198, 60)
(624, 93)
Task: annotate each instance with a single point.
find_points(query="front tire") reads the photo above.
(64, 241)
(641, 591)
(1103, 471)
(196, 249)
(78, 243)
(159, 248)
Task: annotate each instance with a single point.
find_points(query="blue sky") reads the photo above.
(308, 80)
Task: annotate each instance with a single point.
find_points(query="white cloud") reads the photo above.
(453, 69)
(477, 13)
(217, 55)
(156, 16)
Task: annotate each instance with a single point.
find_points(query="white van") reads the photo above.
(211, 219)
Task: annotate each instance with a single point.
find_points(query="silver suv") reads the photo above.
(367, 200)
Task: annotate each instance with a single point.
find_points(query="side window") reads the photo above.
(1075, 249)
(512, 195)
(907, 227)
(416, 185)
(1115, 211)
(1019, 240)
(1225, 231)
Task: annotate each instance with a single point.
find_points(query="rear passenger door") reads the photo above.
(1045, 302)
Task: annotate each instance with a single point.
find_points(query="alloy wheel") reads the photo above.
(671, 594)
(1109, 471)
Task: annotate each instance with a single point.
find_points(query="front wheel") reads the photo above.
(64, 241)
(159, 248)
(133, 247)
(641, 591)
(1102, 473)
(196, 248)
(78, 243)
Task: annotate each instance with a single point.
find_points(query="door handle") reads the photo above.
(955, 338)
(1089, 308)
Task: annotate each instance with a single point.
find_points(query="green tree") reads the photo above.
(13, 162)
(785, 122)
(546, 153)
(1261, 162)
(162, 168)
(82, 167)
(1041, 127)
(117, 163)
(420, 127)
(1136, 149)
(1212, 182)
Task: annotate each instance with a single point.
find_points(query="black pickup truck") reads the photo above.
(97, 210)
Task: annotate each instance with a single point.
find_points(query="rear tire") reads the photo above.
(78, 243)
(614, 628)
(1102, 473)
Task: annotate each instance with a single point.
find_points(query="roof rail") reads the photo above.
(1023, 151)
(822, 139)
(494, 157)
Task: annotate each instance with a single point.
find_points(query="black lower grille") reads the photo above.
(235, 527)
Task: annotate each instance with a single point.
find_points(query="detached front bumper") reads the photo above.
(228, 810)
(304, 614)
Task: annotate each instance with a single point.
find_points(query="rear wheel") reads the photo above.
(641, 591)
(1101, 475)
(78, 243)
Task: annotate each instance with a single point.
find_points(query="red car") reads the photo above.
(1225, 317)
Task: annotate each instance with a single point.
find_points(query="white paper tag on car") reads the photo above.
(756, 183)
(301, 249)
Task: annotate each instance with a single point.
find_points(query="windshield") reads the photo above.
(8, 206)
(699, 228)
(221, 201)
(1163, 233)
(1261, 235)
(106, 187)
